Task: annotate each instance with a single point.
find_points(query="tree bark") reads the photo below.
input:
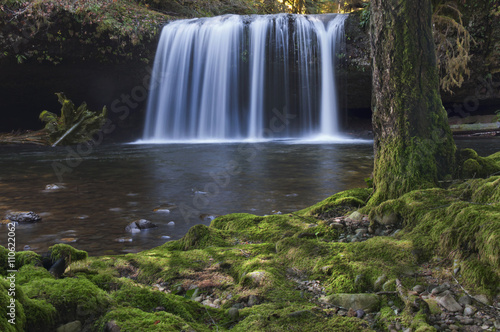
(413, 144)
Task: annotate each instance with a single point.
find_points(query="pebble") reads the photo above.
(171, 223)
(419, 289)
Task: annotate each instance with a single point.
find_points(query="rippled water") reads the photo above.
(116, 184)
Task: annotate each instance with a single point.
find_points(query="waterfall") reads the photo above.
(245, 77)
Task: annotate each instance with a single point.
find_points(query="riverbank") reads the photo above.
(408, 263)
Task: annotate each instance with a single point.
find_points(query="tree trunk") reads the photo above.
(413, 144)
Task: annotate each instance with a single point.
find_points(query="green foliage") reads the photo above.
(78, 124)
(364, 20)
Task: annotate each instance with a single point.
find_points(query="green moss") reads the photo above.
(28, 273)
(72, 297)
(18, 314)
(138, 296)
(470, 165)
(343, 201)
(27, 257)
(40, 315)
(302, 317)
(64, 250)
(200, 236)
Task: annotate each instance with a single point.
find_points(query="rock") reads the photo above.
(111, 326)
(75, 326)
(53, 187)
(58, 268)
(217, 302)
(233, 314)
(356, 216)
(157, 309)
(198, 299)
(389, 219)
(360, 313)
(257, 277)
(23, 216)
(419, 289)
(464, 300)
(467, 321)
(379, 282)
(171, 223)
(252, 300)
(336, 225)
(449, 303)
(145, 224)
(469, 310)
(139, 225)
(132, 228)
(482, 299)
(327, 269)
(366, 302)
(440, 289)
(361, 231)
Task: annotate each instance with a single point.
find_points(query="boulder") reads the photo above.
(448, 302)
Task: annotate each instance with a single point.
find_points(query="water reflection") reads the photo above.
(118, 184)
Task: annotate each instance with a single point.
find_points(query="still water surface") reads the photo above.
(117, 184)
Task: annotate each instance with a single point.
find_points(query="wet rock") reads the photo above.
(360, 313)
(361, 231)
(75, 326)
(171, 223)
(366, 302)
(336, 225)
(233, 314)
(139, 225)
(23, 216)
(53, 187)
(58, 268)
(449, 303)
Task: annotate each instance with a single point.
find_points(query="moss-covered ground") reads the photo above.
(243, 258)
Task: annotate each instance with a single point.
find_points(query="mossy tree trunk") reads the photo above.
(413, 144)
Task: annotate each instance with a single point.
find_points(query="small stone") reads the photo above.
(171, 223)
(364, 301)
(449, 303)
(233, 314)
(198, 299)
(469, 310)
(21, 216)
(335, 225)
(257, 277)
(160, 309)
(52, 187)
(440, 289)
(145, 224)
(217, 301)
(453, 327)
(419, 289)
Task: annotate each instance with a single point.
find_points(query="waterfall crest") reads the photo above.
(245, 77)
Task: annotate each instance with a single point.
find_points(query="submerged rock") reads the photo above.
(23, 216)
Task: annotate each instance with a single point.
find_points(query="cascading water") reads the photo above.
(240, 77)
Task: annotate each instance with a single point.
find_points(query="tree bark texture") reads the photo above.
(413, 144)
